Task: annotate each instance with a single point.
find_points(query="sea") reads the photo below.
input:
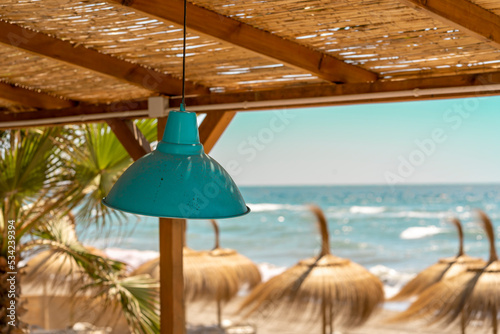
(393, 231)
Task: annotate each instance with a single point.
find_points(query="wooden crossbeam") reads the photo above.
(464, 15)
(130, 137)
(477, 84)
(244, 35)
(86, 110)
(91, 59)
(32, 98)
(213, 126)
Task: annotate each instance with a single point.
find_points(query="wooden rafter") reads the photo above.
(130, 137)
(32, 98)
(481, 86)
(463, 15)
(79, 55)
(213, 126)
(265, 43)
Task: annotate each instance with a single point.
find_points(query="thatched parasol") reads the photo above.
(472, 295)
(58, 272)
(328, 286)
(211, 275)
(57, 268)
(233, 267)
(194, 263)
(445, 268)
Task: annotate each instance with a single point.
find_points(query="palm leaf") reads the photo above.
(136, 296)
(103, 278)
(98, 160)
(29, 171)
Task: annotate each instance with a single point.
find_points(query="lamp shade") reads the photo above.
(177, 180)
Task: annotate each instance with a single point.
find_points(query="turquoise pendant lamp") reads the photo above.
(177, 180)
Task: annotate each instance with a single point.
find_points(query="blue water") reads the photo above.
(403, 228)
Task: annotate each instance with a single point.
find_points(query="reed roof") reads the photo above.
(58, 57)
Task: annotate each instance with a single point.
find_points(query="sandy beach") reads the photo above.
(201, 319)
(204, 315)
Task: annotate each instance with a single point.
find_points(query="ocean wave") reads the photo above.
(269, 270)
(392, 279)
(423, 214)
(419, 232)
(265, 207)
(133, 257)
(367, 209)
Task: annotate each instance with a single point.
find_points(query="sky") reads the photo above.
(423, 142)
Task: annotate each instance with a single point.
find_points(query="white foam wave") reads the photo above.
(423, 214)
(392, 279)
(133, 257)
(268, 270)
(367, 209)
(265, 207)
(419, 232)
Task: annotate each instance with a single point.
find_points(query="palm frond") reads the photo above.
(136, 296)
(91, 273)
(27, 166)
(60, 236)
(148, 128)
(97, 161)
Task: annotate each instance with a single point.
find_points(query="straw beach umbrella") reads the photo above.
(58, 272)
(215, 275)
(194, 263)
(472, 295)
(56, 268)
(233, 268)
(325, 286)
(194, 273)
(443, 269)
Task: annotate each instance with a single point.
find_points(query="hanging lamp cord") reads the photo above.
(183, 103)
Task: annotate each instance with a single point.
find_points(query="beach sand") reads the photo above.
(54, 308)
(205, 315)
(59, 313)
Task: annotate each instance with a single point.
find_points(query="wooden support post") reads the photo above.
(172, 317)
(213, 126)
(130, 137)
(171, 276)
(172, 311)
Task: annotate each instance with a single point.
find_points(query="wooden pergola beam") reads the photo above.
(79, 112)
(79, 55)
(464, 15)
(130, 137)
(32, 98)
(246, 36)
(477, 85)
(213, 126)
